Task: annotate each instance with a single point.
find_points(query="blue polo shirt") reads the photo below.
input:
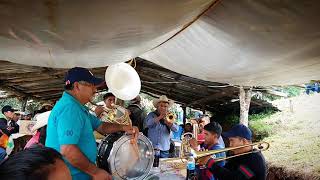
(71, 123)
(158, 133)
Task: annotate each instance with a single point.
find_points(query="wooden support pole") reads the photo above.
(245, 99)
(24, 104)
(184, 108)
(203, 109)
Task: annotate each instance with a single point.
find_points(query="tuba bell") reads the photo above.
(123, 81)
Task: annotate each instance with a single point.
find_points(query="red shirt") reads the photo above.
(200, 138)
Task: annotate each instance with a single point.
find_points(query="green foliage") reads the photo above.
(14, 102)
(98, 98)
(260, 129)
(292, 91)
(266, 97)
(17, 104)
(33, 106)
(260, 116)
(190, 115)
(148, 109)
(257, 124)
(146, 96)
(232, 119)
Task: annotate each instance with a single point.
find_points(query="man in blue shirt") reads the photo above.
(159, 127)
(247, 163)
(212, 132)
(70, 126)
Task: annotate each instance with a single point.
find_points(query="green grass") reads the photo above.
(260, 129)
(295, 138)
(261, 116)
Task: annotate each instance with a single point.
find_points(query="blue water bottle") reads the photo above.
(191, 169)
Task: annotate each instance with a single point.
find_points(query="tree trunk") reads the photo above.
(184, 108)
(245, 99)
(203, 109)
(24, 104)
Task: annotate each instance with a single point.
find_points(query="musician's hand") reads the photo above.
(168, 123)
(193, 143)
(135, 133)
(98, 110)
(162, 115)
(9, 128)
(193, 121)
(101, 174)
(133, 130)
(203, 161)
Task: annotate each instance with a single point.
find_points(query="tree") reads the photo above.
(14, 102)
(245, 99)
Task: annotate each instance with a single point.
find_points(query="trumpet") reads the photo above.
(171, 117)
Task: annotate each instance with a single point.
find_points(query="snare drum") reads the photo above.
(118, 156)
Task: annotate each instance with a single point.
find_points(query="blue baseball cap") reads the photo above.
(239, 130)
(77, 74)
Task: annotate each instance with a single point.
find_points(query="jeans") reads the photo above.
(3, 153)
(164, 154)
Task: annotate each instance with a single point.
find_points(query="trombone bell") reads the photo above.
(259, 146)
(186, 151)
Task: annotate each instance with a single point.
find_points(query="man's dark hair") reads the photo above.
(32, 163)
(109, 94)
(214, 127)
(188, 124)
(7, 108)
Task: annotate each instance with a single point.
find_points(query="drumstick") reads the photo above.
(135, 147)
(133, 141)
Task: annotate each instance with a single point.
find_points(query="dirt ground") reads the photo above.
(294, 151)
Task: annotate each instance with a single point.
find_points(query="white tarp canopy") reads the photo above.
(96, 33)
(245, 42)
(240, 42)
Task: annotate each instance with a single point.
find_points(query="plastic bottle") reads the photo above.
(191, 169)
(156, 158)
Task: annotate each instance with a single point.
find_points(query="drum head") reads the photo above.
(127, 161)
